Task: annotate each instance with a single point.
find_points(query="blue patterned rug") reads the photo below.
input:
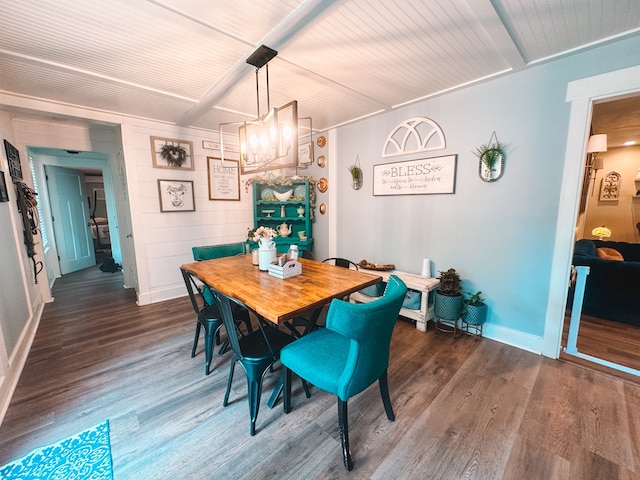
(83, 456)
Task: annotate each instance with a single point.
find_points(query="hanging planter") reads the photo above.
(491, 155)
(356, 174)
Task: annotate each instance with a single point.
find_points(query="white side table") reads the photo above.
(413, 282)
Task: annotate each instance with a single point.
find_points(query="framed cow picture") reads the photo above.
(176, 196)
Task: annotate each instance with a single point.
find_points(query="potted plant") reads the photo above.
(475, 310)
(448, 298)
(490, 154)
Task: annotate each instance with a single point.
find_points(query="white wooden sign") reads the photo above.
(416, 177)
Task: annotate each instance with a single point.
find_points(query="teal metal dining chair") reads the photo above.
(208, 317)
(210, 252)
(347, 356)
(256, 353)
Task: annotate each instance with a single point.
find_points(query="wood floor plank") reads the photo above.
(465, 408)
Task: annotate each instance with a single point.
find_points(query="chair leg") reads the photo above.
(384, 392)
(195, 340)
(305, 385)
(229, 381)
(254, 387)
(286, 397)
(209, 338)
(343, 426)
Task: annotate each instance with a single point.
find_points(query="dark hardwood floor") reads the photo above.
(465, 409)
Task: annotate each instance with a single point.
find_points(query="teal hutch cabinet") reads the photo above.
(286, 209)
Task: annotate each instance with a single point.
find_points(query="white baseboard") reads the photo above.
(17, 361)
(515, 338)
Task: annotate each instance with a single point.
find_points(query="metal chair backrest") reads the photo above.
(341, 262)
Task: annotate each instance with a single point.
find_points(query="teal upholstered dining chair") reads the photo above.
(256, 352)
(350, 354)
(209, 252)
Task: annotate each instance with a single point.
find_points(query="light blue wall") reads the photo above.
(499, 236)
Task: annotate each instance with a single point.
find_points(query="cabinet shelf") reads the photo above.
(291, 215)
(273, 218)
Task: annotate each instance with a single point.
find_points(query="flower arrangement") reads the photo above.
(264, 232)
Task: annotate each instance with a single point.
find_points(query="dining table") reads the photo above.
(281, 301)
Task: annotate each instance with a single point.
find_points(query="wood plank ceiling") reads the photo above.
(183, 61)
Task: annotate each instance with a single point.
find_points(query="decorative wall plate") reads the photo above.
(266, 194)
(321, 161)
(322, 141)
(300, 192)
(323, 208)
(323, 184)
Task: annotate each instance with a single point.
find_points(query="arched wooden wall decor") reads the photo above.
(610, 188)
(418, 134)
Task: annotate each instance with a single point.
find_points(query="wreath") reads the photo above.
(175, 155)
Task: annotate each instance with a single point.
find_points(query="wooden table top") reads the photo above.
(275, 299)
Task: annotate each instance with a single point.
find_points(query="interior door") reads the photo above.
(68, 199)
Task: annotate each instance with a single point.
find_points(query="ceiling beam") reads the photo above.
(288, 28)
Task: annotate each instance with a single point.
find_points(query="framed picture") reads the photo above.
(224, 179)
(13, 156)
(176, 196)
(172, 153)
(416, 177)
(305, 142)
(4, 193)
(305, 154)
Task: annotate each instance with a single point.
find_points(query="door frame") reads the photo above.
(581, 94)
(47, 156)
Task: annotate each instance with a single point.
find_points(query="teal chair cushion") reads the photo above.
(352, 352)
(333, 360)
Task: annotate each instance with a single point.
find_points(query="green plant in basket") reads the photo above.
(475, 298)
(474, 311)
(450, 284)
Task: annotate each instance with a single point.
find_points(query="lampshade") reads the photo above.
(597, 143)
(601, 232)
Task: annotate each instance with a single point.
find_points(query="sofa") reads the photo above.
(612, 288)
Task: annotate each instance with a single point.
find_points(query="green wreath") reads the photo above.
(175, 155)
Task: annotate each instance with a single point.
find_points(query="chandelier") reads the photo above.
(269, 141)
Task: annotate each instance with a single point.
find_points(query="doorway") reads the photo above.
(581, 96)
(116, 205)
(604, 324)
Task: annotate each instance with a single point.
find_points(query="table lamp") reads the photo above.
(601, 232)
